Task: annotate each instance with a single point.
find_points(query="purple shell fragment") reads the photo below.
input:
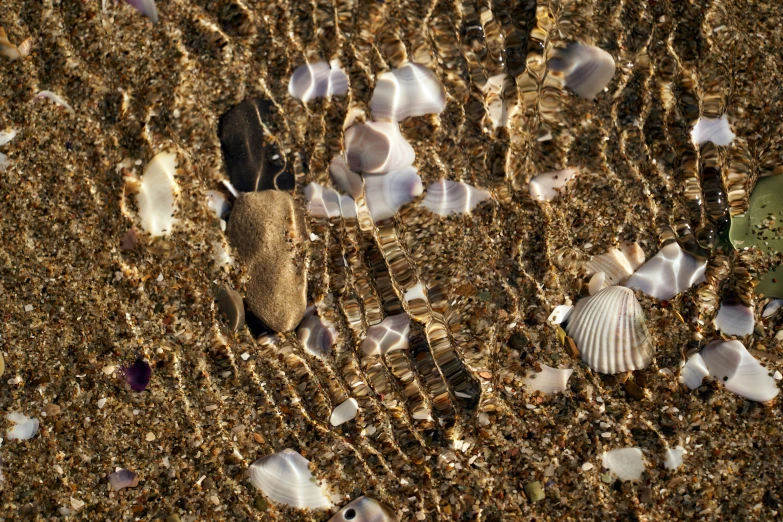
(123, 478)
(137, 375)
(145, 7)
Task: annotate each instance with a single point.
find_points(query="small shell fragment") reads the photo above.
(587, 69)
(626, 463)
(123, 478)
(410, 90)
(284, 477)
(386, 193)
(344, 412)
(24, 427)
(317, 335)
(548, 380)
(547, 186)
(376, 148)
(157, 195)
(716, 130)
(734, 318)
(389, 335)
(231, 305)
(560, 314)
(447, 197)
(673, 457)
(317, 80)
(670, 272)
(731, 364)
(694, 372)
(146, 7)
(364, 509)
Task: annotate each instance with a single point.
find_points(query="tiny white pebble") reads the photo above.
(14, 380)
(102, 402)
(136, 412)
(150, 436)
(245, 356)
(587, 466)
(160, 278)
(108, 370)
(779, 335)
(607, 435)
(215, 500)
(777, 376)
(28, 308)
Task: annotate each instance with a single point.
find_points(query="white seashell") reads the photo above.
(597, 283)
(499, 109)
(610, 331)
(157, 195)
(410, 90)
(217, 203)
(284, 477)
(345, 179)
(377, 147)
(123, 478)
(615, 264)
(560, 314)
(673, 458)
(416, 292)
(447, 197)
(735, 319)
(386, 193)
(49, 95)
(546, 187)
(587, 69)
(772, 307)
(668, 273)
(364, 509)
(634, 254)
(317, 80)
(731, 364)
(344, 412)
(626, 463)
(317, 335)
(24, 427)
(548, 380)
(7, 136)
(348, 207)
(717, 131)
(694, 372)
(322, 201)
(391, 334)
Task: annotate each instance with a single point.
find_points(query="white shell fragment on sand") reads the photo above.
(317, 335)
(147, 8)
(447, 197)
(673, 457)
(587, 69)
(24, 427)
(560, 314)
(364, 509)
(731, 364)
(610, 331)
(391, 334)
(410, 90)
(735, 319)
(344, 412)
(548, 380)
(717, 131)
(157, 195)
(49, 95)
(772, 307)
(317, 80)
(386, 193)
(7, 136)
(617, 265)
(546, 187)
(123, 478)
(500, 108)
(328, 203)
(377, 147)
(217, 203)
(285, 477)
(668, 273)
(346, 180)
(694, 372)
(626, 463)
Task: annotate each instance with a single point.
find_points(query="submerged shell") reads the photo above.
(616, 265)
(772, 307)
(391, 334)
(157, 193)
(377, 147)
(668, 273)
(317, 335)
(715, 130)
(328, 203)
(123, 478)
(231, 305)
(610, 331)
(447, 197)
(364, 509)
(411, 90)
(284, 477)
(24, 427)
(731, 364)
(386, 193)
(587, 69)
(344, 412)
(548, 380)
(546, 187)
(345, 179)
(694, 372)
(626, 463)
(317, 80)
(734, 318)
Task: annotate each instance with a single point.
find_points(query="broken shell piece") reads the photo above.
(285, 477)
(317, 80)
(668, 273)
(7, 136)
(597, 283)
(11, 51)
(587, 69)
(391, 334)
(218, 203)
(386, 193)
(146, 7)
(731, 364)
(138, 375)
(447, 197)
(626, 463)
(548, 380)
(345, 179)
(772, 307)
(610, 331)
(410, 90)
(364, 509)
(322, 201)
(344, 412)
(694, 372)
(230, 304)
(157, 195)
(123, 478)
(617, 265)
(734, 318)
(500, 108)
(377, 147)
(546, 187)
(673, 458)
(49, 95)
(24, 427)
(317, 336)
(560, 314)
(715, 130)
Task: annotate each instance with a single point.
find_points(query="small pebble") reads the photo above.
(102, 403)
(534, 491)
(150, 436)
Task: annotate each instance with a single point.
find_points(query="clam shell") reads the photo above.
(317, 80)
(546, 187)
(610, 331)
(157, 193)
(715, 130)
(731, 364)
(346, 180)
(615, 264)
(668, 273)
(548, 380)
(410, 90)
(386, 193)
(447, 197)
(230, 304)
(24, 427)
(364, 509)
(587, 69)
(344, 412)
(377, 147)
(284, 477)
(389, 335)
(626, 463)
(317, 335)
(735, 318)
(694, 372)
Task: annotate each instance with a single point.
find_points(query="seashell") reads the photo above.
(587, 69)
(322, 201)
(57, 100)
(734, 318)
(11, 51)
(772, 307)
(122, 478)
(317, 336)
(673, 458)
(615, 264)
(389, 335)
(694, 372)
(546, 187)
(447, 197)
(610, 331)
(668, 273)
(284, 477)
(730, 363)
(499, 109)
(560, 314)
(410, 90)
(24, 427)
(377, 147)
(7, 136)
(597, 283)
(145, 7)
(317, 80)
(345, 179)
(386, 193)
(344, 412)
(157, 193)
(230, 304)
(626, 463)
(548, 380)
(634, 254)
(717, 131)
(364, 509)
(217, 203)
(138, 375)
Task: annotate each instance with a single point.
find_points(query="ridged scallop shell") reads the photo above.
(346, 180)
(733, 366)
(376, 148)
(547, 186)
(344, 412)
(617, 265)
(734, 318)
(447, 197)
(587, 69)
(386, 193)
(284, 477)
(715, 130)
(364, 509)
(410, 90)
(316, 335)
(317, 80)
(610, 331)
(668, 273)
(548, 380)
(389, 335)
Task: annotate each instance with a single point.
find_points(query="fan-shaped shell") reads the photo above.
(734, 318)
(447, 197)
(391, 334)
(668, 273)
(617, 265)
(546, 187)
(377, 147)
(285, 477)
(731, 364)
(610, 331)
(317, 80)
(411, 90)
(587, 69)
(364, 509)
(386, 193)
